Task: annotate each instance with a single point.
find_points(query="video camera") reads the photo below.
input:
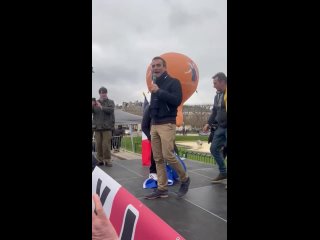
(213, 127)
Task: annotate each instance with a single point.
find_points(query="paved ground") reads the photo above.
(197, 146)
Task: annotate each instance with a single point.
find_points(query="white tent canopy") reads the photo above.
(122, 117)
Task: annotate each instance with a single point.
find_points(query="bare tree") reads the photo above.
(196, 115)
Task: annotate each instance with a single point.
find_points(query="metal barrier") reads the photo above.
(201, 157)
(115, 144)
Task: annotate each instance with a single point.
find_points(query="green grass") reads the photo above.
(126, 141)
(191, 138)
(184, 152)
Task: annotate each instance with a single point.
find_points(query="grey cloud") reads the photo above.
(128, 34)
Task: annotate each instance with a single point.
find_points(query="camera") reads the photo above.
(213, 127)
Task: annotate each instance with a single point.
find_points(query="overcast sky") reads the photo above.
(127, 34)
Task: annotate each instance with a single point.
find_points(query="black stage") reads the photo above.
(200, 214)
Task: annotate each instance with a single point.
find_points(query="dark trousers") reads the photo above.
(152, 168)
(116, 142)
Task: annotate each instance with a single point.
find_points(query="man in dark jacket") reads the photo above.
(166, 96)
(145, 127)
(219, 116)
(103, 124)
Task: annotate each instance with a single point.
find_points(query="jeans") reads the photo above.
(219, 140)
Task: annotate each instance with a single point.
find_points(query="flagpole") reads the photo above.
(145, 143)
(145, 97)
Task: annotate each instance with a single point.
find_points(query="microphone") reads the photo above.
(154, 78)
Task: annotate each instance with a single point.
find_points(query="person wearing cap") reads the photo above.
(103, 125)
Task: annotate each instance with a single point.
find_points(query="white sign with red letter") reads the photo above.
(130, 217)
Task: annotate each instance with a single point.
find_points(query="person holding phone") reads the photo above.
(103, 125)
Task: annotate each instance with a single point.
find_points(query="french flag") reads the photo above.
(145, 143)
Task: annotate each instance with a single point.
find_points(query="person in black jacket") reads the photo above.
(145, 126)
(219, 116)
(166, 96)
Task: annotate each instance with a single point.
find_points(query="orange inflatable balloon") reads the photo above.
(186, 71)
